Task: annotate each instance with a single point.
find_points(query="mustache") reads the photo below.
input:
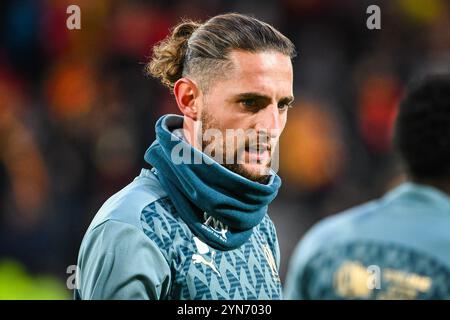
(256, 147)
(238, 143)
(263, 142)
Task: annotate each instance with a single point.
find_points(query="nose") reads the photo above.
(270, 121)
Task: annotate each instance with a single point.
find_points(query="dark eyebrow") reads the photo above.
(251, 95)
(259, 96)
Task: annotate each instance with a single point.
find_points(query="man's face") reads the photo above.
(253, 96)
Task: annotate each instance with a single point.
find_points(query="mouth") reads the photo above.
(258, 153)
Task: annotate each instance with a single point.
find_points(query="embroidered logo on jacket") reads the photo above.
(271, 261)
(215, 226)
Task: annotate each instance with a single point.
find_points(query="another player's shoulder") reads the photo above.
(323, 235)
(342, 224)
(406, 207)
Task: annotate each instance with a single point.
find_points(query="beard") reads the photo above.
(209, 122)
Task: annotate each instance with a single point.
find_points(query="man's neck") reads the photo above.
(189, 130)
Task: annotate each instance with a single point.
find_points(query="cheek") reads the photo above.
(217, 107)
(229, 117)
(283, 120)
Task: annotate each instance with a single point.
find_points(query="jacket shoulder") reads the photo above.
(128, 204)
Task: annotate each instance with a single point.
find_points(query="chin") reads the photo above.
(255, 172)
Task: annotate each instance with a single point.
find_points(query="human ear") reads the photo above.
(186, 93)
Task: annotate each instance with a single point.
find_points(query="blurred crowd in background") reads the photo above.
(77, 113)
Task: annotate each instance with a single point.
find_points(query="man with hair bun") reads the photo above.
(194, 223)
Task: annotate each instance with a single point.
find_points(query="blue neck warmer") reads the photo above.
(207, 190)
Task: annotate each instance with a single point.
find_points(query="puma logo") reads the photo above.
(196, 258)
(200, 257)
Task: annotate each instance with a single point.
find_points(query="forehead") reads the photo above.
(261, 72)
